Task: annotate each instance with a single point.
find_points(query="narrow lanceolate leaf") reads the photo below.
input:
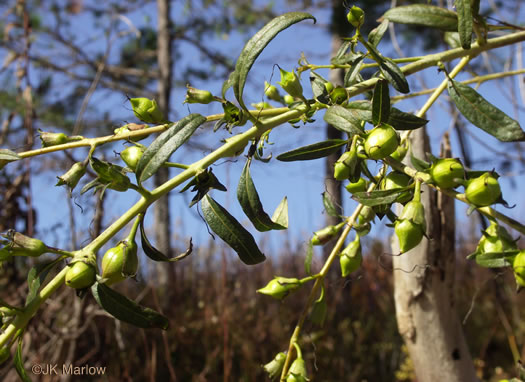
(156, 255)
(483, 114)
(352, 75)
(255, 46)
(231, 231)
(425, 15)
(19, 363)
(464, 22)
(318, 87)
(7, 156)
(126, 310)
(37, 276)
(376, 34)
(495, 259)
(400, 120)
(394, 75)
(329, 205)
(380, 103)
(251, 204)
(161, 148)
(343, 119)
(309, 257)
(313, 151)
(376, 198)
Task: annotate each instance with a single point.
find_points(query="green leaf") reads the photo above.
(319, 90)
(313, 151)
(495, 259)
(280, 215)
(37, 276)
(400, 120)
(231, 231)
(425, 15)
(361, 110)
(156, 255)
(419, 164)
(19, 363)
(7, 156)
(166, 144)
(126, 310)
(343, 119)
(376, 198)
(380, 103)
(376, 34)
(394, 75)
(308, 258)
(464, 22)
(329, 205)
(253, 49)
(252, 206)
(109, 175)
(348, 58)
(483, 114)
(352, 74)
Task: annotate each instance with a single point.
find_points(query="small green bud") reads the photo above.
(339, 95)
(147, 110)
(324, 235)
(291, 84)
(397, 180)
(367, 214)
(445, 172)
(198, 96)
(120, 262)
(359, 186)
(131, 156)
(21, 245)
(272, 92)
(484, 190)
(72, 176)
(54, 139)
(381, 142)
(518, 266)
(275, 366)
(280, 287)
(411, 226)
(351, 257)
(288, 99)
(81, 275)
(345, 166)
(356, 16)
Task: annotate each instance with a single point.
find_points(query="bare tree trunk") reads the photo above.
(424, 292)
(162, 206)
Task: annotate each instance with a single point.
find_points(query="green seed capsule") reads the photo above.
(483, 191)
(356, 16)
(120, 262)
(275, 366)
(131, 156)
(496, 239)
(411, 226)
(297, 372)
(346, 165)
(445, 172)
(198, 96)
(400, 152)
(358, 186)
(81, 275)
(518, 265)
(324, 235)
(280, 287)
(22, 245)
(53, 139)
(271, 92)
(351, 257)
(291, 84)
(147, 110)
(397, 180)
(328, 86)
(339, 95)
(381, 142)
(72, 176)
(288, 99)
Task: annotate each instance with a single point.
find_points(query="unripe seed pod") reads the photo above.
(358, 186)
(397, 180)
(275, 366)
(351, 257)
(381, 142)
(262, 105)
(131, 156)
(346, 164)
(483, 191)
(72, 176)
(400, 152)
(53, 139)
(367, 214)
(198, 96)
(120, 262)
(81, 275)
(297, 372)
(363, 228)
(288, 99)
(445, 172)
(518, 265)
(411, 226)
(128, 128)
(329, 87)
(324, 235)
(356, 16)
(291, 84)
(339, 95)
(271, 92)
(280, 287)
(22, 245)
(496, 239)
(147, 110)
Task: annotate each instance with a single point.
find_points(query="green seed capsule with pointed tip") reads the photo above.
(381, 142)
(351, 257)
(280, 287)
(483, 191)
(81, 275)
(339, 95)
(275, 366)
(324, 235)
(397, 180)
(120, 262)
(445, 172)
(518, 265)
(131, 156)
(356, 16)
(411, 226)
(358, 186)
(345, 165)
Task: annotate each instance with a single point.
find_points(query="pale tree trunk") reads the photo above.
(162, 206)
(424, 292)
